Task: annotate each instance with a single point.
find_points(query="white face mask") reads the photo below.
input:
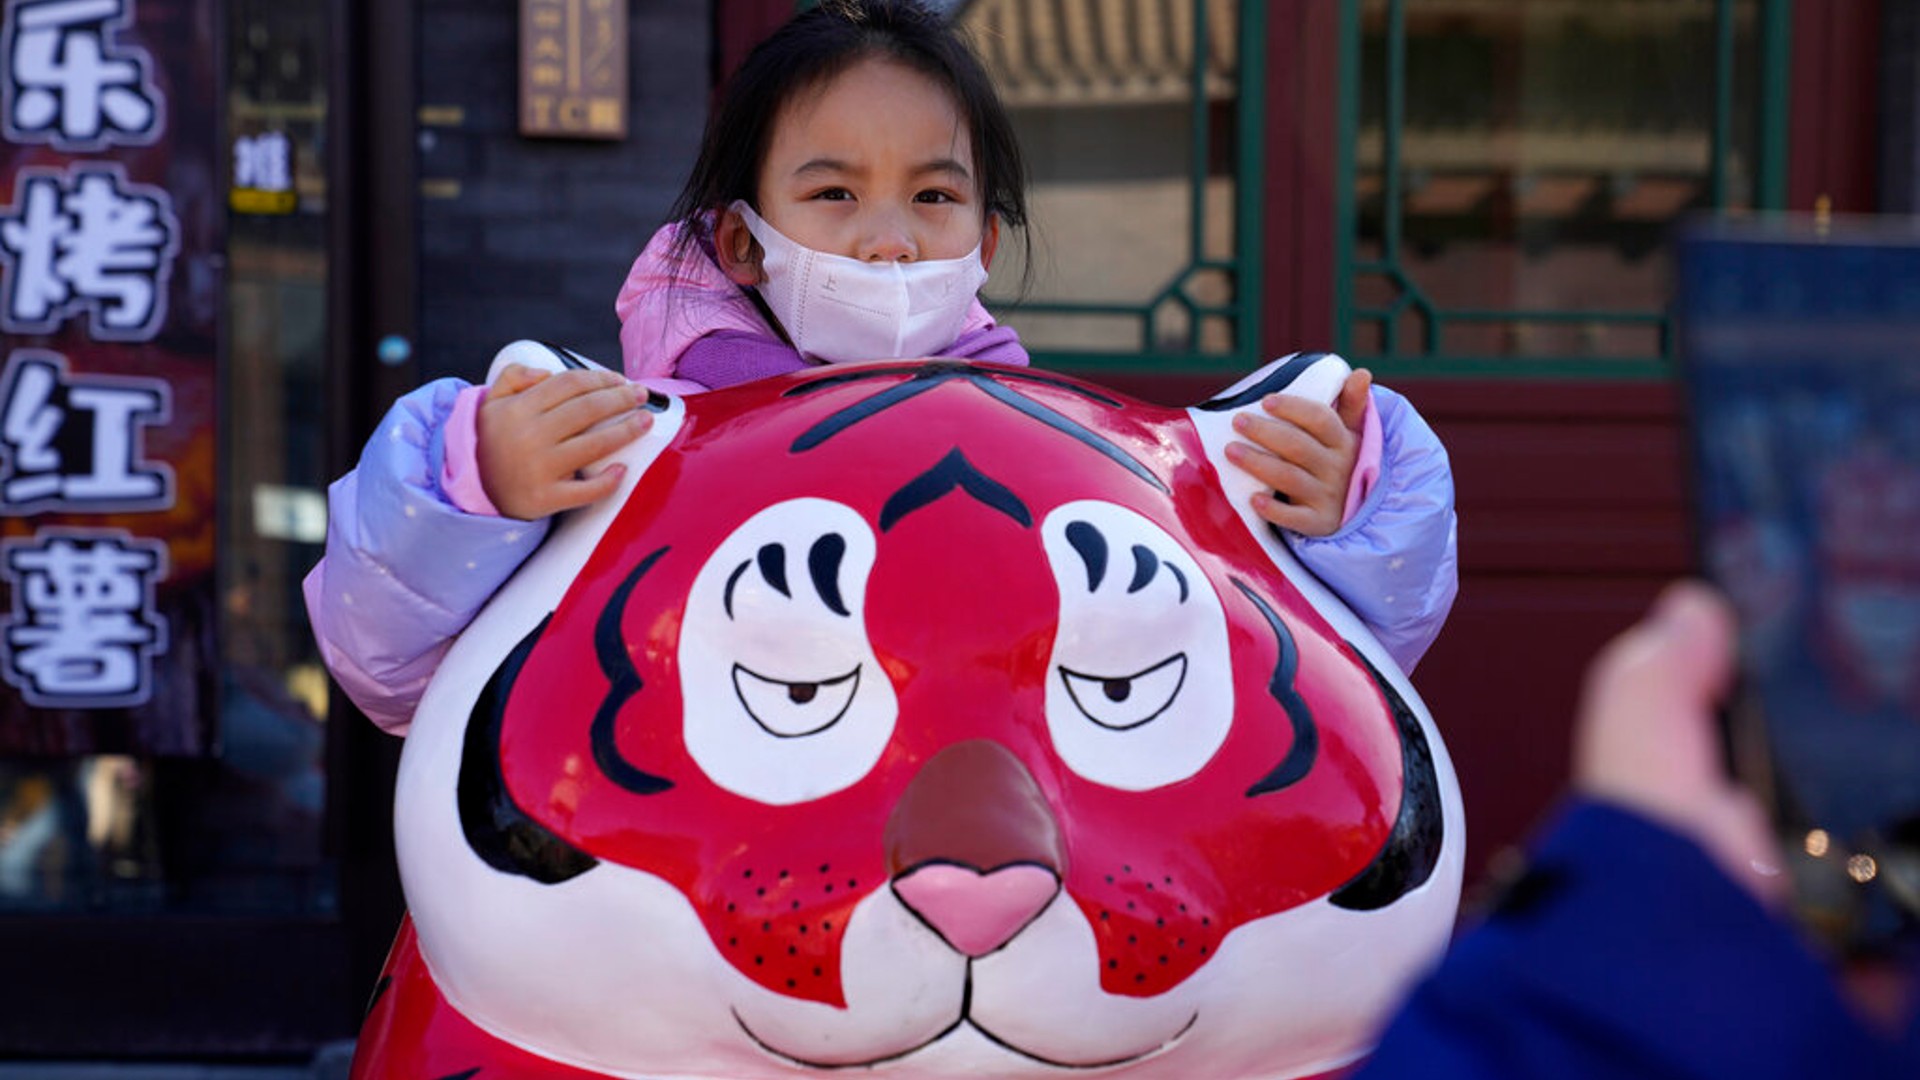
(841, 310)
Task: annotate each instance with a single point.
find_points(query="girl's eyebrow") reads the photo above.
(824, 165)
(950, 166)
(835, 166)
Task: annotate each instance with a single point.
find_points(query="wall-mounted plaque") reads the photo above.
(573, 69)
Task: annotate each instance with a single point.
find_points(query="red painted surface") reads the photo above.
(962, 610)
(412, 1031)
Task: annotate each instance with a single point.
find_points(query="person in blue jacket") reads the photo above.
(1646, 939)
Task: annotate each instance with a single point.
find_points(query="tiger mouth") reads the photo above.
(964, 1021)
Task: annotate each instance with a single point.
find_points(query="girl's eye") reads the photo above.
(834, 195)
(935, 197)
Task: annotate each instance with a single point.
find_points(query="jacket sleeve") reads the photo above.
(1624, 954)
(1395, 561)
(404, 570)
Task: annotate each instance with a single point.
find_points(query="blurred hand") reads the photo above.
(538, 429)
(1647, 738)
(1305, 451)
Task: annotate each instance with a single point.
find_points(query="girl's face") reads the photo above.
(875, 164)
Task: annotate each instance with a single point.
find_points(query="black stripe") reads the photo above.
(927, 376)
(610, 648)
(1274, 383)
(1106, 447)
(1306, 735)
(946, 370)
(379, 991)
(1412, 849)
(568, 358)
(858, 411)
(502, 834)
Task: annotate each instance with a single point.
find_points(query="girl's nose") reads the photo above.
(888, 240)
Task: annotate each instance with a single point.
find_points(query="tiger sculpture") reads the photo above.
(925, 718)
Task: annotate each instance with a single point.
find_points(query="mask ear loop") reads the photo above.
(754, 222)
(760, 305)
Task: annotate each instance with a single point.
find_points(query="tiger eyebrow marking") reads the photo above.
(823, 562)
(773, 567)
(953, 472)
(823, 565)
(1092, 548)
(732, 580)
(1146, 564)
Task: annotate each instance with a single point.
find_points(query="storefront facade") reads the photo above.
(331, 200)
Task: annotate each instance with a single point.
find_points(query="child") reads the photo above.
(865, 139)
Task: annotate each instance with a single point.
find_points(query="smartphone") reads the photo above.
(1799, 347)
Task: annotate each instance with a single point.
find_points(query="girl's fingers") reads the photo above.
(1275, 443)
(1272, 471)
(1317, 420)
(564, 386)
(573, 493)
(1283, 439)
(1293, 517)
(515, 379)
(591, 407)
(582, 450)
(1351, 405)
(1300, 486)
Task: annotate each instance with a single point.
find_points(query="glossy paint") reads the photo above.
(943, 719)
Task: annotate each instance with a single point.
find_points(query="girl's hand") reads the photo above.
(538, 429)
(1305, 452)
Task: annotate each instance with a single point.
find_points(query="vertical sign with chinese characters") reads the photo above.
(573, 68)
(263, 174)
(110, 293)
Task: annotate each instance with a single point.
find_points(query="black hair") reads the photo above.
(818, 45)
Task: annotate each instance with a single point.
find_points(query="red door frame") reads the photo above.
(1833, 141)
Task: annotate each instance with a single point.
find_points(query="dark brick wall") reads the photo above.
(540, 233)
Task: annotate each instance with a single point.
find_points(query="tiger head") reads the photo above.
(935, 718)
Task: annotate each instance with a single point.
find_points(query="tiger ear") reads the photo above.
(668, 411)
(540, 356)
(1315, 376)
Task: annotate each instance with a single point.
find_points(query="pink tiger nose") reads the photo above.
(974, 847)
(977, 913)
